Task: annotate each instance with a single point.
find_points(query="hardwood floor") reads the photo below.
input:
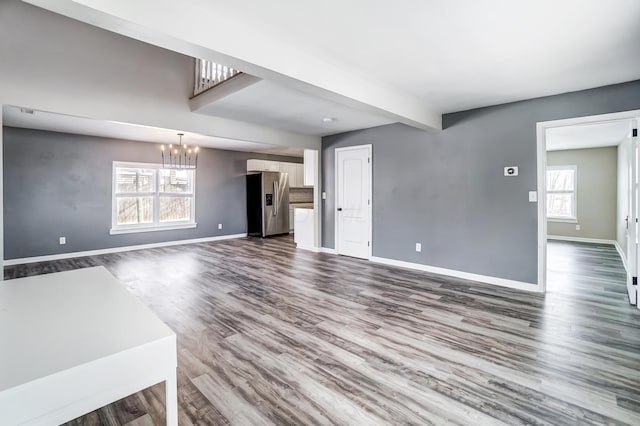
(271, 335)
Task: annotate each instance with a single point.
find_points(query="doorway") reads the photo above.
(588, 197)
(353, 201)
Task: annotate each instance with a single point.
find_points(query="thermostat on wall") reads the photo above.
(511, 171)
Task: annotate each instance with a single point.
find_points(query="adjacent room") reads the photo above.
(351, 213)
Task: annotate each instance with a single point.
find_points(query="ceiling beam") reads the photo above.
(199, 29)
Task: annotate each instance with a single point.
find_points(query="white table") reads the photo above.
(75, 341)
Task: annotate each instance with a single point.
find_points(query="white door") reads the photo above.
(353, 201)
(632, 222)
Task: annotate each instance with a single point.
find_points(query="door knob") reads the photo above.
(339, 209)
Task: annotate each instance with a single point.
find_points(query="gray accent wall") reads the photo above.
(596, 196)
(446, 188)
(58, 184)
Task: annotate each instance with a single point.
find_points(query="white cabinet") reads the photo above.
(296, 171)
(263, 166)
(271, 166)
(299, 172)
(310, 157)
(291, 218)
(290, 169)
(255, 165)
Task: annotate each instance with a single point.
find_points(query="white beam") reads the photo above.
(50, 63)
(199, 29)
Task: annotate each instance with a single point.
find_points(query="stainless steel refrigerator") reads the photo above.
(267, 204)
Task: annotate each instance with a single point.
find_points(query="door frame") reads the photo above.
(541, 166)
(369, 147)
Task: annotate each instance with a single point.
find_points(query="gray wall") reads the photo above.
(596, 199)
(623, 194)
(447, 190)
(58, 184)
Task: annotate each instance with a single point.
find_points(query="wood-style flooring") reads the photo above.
(271, 335)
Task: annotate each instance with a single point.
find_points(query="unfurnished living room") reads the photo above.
(318, 213)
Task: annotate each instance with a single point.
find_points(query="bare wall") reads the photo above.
(446, 188)
(57, 184)
(596, 196)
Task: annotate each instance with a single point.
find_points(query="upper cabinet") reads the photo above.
(296, 171)
(263, 166)
(310, 157)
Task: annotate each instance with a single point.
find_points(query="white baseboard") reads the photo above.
(10, 262)
(622, 255)
(519, 285)
(581, 240)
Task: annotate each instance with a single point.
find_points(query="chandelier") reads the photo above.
(180, 156)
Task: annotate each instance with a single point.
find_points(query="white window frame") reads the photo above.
(574, 194)
(156, 194)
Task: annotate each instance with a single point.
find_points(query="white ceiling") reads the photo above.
(458, 55)
(412, 59)
(590, 135)
(275, 105)
(41, 120)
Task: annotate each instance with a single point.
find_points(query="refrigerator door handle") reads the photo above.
(275, 198)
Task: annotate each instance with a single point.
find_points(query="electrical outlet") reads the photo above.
(577, 227)
(63, 240)
(219, 226)
(324, 195)
(418, 247)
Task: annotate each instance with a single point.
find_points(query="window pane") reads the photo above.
(134, 180)
(134, 210)
(560, 180)
(175, 208)
(560, 205)
(177, 181)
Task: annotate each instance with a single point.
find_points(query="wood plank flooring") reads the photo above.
(271, 335)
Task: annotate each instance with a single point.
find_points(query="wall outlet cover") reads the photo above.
(418, 247)
(533, 196)
(324, 195)
(63, 240)
(511, 171)
(577, 227)
(219, 226)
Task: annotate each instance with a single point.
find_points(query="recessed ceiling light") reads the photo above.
(328, 119)
(27, 111)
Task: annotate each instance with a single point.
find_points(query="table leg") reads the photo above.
(171, 391)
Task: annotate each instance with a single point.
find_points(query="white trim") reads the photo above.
(156, 225)
(335, 190)
(20, 261)
(541, 170)
(519, 285)
(623, 257)
(541, 149)
(581, 239)
(133, 230)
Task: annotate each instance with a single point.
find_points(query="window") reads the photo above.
(561, 193)
(147, 197)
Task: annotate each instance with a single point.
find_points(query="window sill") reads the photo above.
(133, 230)
(561, 220)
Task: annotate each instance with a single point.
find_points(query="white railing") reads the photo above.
(209, 74)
